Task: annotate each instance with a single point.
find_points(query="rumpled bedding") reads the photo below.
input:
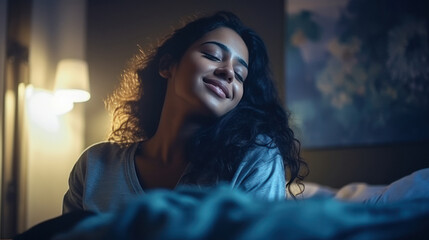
(413, 186)
(385, 212)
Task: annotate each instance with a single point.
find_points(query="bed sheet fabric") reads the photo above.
(356, 211)
(225, 213)
(413, 186)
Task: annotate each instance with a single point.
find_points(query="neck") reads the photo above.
(177, 124)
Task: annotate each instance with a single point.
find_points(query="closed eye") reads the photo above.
(214, 58)
(239, 77)
(211, 57)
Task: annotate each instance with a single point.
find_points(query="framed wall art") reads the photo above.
(357, 71)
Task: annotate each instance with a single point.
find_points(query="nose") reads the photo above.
(225, 72)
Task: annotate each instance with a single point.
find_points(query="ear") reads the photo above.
(165, 64)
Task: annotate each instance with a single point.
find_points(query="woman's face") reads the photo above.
(211, 73)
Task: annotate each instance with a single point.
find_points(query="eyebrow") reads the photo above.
(226, 49)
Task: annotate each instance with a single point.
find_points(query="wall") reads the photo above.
(3, 17)
(380, 164)
(54, 142)
(375, 164)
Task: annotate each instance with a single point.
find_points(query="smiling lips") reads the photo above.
(218, 87)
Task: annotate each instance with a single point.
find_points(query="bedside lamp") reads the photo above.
(72, 80)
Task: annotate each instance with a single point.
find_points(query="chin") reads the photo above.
(220, 112)
(216, 108)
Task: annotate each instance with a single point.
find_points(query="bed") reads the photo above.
(399, 210)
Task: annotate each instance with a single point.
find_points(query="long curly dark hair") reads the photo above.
(217, 149)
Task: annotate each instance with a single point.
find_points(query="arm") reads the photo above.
(73, 199)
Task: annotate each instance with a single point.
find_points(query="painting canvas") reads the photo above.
(357, 71)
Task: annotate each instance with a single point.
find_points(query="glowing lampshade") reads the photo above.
(72, 80)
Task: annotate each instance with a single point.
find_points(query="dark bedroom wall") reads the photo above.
(381, 164)
(116, 27)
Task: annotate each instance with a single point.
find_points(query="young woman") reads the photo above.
(200, 109)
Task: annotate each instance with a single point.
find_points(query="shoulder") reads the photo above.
(264, 151)
(261, 171)
(263, 158)
(106, 150)
(101, 161)
(103, 154)
(263, 139)
(102, 147)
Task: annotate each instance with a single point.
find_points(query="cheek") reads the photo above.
(239, 93)
(184, 78)
(191, 68)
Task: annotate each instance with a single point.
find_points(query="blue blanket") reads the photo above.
(223, 213)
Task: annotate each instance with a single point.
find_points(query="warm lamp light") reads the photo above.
(72, 80)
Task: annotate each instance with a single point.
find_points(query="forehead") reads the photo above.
(229, 38)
